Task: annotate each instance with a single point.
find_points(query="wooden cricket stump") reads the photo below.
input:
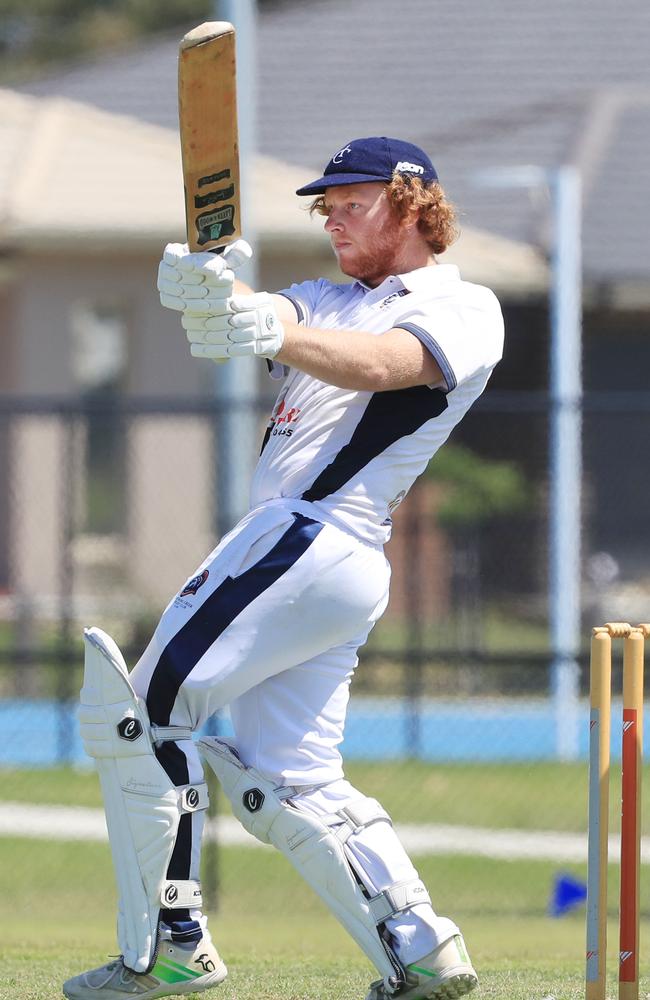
(600, 700)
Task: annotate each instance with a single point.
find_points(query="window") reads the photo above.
(99, 365)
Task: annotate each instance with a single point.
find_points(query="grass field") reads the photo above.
(522, 796)
(276, 937)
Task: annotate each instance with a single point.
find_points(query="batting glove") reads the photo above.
(242, 325)
(198, 280)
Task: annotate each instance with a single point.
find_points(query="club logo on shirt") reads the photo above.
(195, 583)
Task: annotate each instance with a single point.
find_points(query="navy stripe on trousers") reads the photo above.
(183, 652)
(230, 598)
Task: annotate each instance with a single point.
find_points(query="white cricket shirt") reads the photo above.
(355, 454)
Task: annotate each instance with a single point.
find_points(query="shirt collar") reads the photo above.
(419, 280)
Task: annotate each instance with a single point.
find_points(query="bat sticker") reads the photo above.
(214, 225)
(213, 197)
(222, 175)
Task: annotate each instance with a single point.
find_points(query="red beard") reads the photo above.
(374, 263)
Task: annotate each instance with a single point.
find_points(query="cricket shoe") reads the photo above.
(444, 974)
(178, 969)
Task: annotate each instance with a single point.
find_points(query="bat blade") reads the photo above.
(207, 111)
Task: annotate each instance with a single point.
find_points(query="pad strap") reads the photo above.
(181, 894)
(161, 734)
(354, 818)
(310, 845)
(397, 897)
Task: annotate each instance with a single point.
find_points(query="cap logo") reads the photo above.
(404, 167)
(338, 157)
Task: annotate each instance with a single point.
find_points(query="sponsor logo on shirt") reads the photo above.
(384, 304)
(282, 419)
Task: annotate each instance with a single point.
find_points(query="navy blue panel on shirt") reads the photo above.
(183, 652)
(267, 435)
(388, 417)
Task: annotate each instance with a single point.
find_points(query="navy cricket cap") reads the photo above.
(374, 159)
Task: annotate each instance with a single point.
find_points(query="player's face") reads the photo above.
(365, 234)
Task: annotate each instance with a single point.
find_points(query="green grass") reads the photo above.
(263, 968)
(500, 631)
(277, 937)
(279, 941)
(527, 796)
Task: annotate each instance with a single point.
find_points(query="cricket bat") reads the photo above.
(207, 112)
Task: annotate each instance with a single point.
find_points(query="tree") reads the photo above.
(37, 35)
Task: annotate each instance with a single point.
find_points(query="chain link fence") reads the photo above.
(453, 721)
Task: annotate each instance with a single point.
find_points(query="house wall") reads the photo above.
(616, 437)
(168, 468)
(47, 287)
(6, 379)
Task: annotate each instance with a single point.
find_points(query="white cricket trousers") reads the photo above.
(270, 625)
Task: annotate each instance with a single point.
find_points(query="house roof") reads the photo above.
(478, 85)
(72, 174)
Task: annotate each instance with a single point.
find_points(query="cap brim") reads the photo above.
(333, 180)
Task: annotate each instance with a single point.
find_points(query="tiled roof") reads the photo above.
(72, 174)
(477, 84)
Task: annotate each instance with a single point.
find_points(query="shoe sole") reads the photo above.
(454, 987)
(206, 982)
(193, 985)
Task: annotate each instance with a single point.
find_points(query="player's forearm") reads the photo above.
(354, 359)
(337, 357)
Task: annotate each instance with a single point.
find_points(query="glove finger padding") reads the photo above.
(238, 253)
(256, 316)
(186, 279)
(197, 326)
(223, 325)
(188, 291)
(172, 275)
(210, 352)
(216, 319)
(178, 255)
(172, 302)
(198, 300)
(173, 252)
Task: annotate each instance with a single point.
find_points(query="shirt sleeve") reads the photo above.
(305, 297)
(464, 338)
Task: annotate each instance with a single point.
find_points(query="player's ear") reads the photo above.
(410, 219)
